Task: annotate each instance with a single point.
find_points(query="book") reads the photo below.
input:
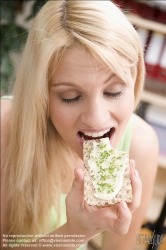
(161, 75)
(153, 54)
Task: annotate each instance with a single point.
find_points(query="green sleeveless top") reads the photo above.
(124, 145)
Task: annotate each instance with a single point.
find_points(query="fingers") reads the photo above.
(136, 186)
(75, 195)
(116, 218)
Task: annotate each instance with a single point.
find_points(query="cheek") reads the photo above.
(126, 107)
(61, 116)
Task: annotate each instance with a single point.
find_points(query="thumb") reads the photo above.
(123, 220)
(76, 193)
(78, 181)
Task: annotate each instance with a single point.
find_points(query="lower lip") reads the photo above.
(111, 137)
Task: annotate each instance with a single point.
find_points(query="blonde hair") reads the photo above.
(37, 157)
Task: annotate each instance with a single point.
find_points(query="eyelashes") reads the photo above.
(108, 94)
(72, 100)
(114, 95)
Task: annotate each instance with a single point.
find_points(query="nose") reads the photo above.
(96, 114)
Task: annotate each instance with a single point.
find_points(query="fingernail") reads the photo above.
(136, 173)
(124, 205)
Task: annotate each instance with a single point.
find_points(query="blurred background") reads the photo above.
(149, 19)
(16, 19)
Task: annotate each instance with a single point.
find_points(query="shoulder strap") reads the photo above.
(8, 97)
(124, 144)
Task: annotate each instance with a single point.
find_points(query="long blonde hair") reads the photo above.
(36, 157)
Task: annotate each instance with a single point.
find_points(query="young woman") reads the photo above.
(82, 72)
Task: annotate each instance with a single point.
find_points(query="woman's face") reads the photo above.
(88, 99)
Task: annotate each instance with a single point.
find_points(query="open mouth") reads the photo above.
(99, 135)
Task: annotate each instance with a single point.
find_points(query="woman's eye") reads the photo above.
(114, 95)
(71, 100)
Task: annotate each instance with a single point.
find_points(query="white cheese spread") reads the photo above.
(107, 167)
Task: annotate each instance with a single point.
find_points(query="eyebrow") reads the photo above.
(72, 84)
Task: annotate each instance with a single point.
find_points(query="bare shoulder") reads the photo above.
(144, 140)
(144, 150)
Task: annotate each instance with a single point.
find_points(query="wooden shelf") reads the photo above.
(146, 24)
(154, 99)
(162, 161)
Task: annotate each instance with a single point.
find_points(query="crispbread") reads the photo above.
(102, 167)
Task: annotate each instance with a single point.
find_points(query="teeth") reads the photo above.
(96, 134)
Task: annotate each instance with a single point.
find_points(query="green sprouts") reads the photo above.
(108, 163)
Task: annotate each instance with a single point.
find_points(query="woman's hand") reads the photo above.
(89, 220)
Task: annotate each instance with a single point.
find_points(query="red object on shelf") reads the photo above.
(120, 3)
(148, 12)
(151, 70)
(161, 75)
(161, 16)
(153, 54)
(127, 3)
(135, 7)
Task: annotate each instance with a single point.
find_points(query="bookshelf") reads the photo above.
(147, 95)
(146, 24)
(153, 98)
